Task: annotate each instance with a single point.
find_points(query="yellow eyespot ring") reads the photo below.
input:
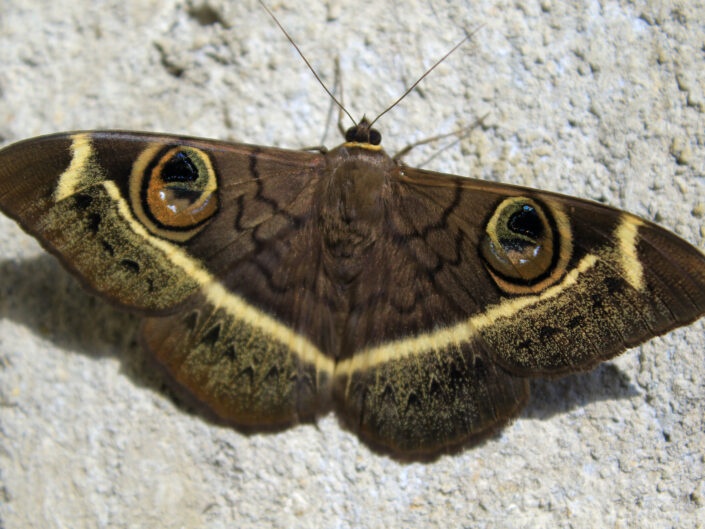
(527, 245)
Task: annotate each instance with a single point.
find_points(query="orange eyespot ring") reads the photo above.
(174, 191)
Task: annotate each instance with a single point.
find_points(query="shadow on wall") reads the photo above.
(39, 294)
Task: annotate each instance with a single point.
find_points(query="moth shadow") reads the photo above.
(555, 396)
(41, 295)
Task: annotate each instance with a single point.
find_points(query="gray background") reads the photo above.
(603, 100)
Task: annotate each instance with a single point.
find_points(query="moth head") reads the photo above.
(363, 133)
(174, 190)
(522, 246)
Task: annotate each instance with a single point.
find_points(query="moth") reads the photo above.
(278, 285)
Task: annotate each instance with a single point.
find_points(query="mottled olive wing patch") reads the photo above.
(243, 374)
(430, 401)
(60, 189)
(95, 232)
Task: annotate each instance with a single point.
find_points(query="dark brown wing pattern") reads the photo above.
(152, 223)
(623, 279)
(251, 345)
(456, 368)
(279, 284)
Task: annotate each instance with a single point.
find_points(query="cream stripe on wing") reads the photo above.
(627, 233)
(82, 163)
(75, 177)
(460, 333)
(219, 296)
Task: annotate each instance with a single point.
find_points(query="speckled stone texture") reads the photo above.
(600, 100)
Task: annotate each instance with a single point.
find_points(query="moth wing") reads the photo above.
(246, 373)
(254, 343)
(615, 280)
(170, 226)
(453, 328)
(83, 196)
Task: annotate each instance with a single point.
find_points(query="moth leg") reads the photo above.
(459, 134)
(338, 85)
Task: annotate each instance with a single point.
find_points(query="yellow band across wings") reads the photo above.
(83, 171)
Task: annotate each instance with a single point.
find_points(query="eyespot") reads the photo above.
(523, 247)
(174, 191)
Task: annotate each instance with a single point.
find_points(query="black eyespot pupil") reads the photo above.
(527, 222)
(179, 168)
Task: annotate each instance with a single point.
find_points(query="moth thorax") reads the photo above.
(357, 191)
(352, 210)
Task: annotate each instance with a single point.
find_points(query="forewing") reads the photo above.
(86, 197)
(614, 281)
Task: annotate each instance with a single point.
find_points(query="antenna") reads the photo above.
(306, 61)
(368, 126)
(468, 36)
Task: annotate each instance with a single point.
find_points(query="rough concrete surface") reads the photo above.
(603, 100)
